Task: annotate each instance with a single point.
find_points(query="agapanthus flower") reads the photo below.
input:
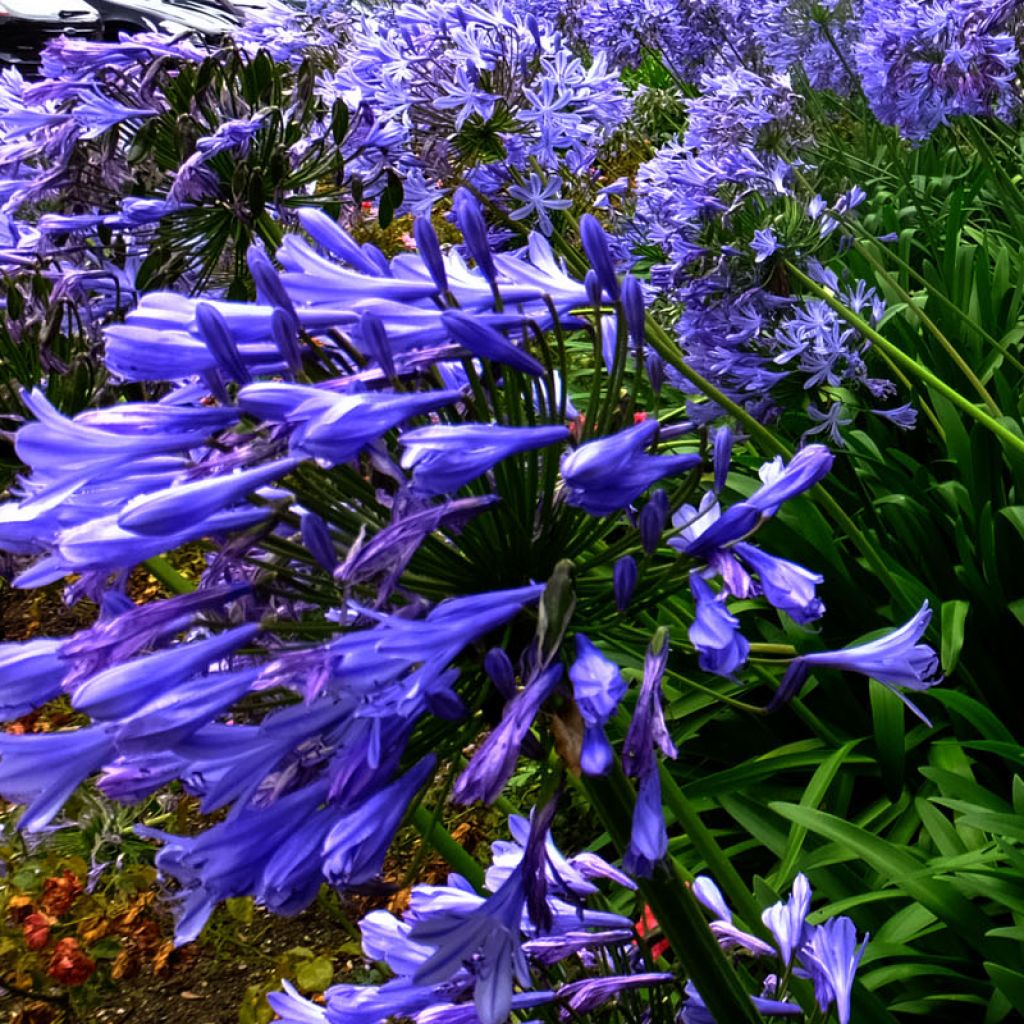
(493, 763)
(607, 474)
(43, 769)
(588, 995)
(895, 660)
(923, 63)
(715, 634)
(831, 956)
(710, 532)
(648, 734)
(355, 846)
(787, 586)
(539, 197)
(229, 858)
(597, 687)
(788, 921)
(625, 576)
(487, 936)
(30, 675)
(695, 1010)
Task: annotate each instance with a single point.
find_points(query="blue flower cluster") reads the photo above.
(828, 953)
(924, 63)
(417, 547)
(482, 89)
(318, 788)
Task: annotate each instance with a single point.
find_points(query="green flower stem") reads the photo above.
(681, 919)
(931, 327)
(770, 444)
(667, 348)
(162, 570)
(719, 866)
(437, 836)
(911, 365)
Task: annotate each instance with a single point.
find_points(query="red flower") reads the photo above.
(36, 929)
(69, 965)
(648, 928)
(60, 893)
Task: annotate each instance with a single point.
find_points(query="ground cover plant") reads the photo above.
(578, 454)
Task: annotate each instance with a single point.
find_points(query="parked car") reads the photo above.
(206, 17)
(27, 25)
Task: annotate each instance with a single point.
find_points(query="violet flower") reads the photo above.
(787, 586)
(715, 634)
(43, 769)
(488, 937)
(492, 764)
(831, 956)
(610, 473)
(895, 660)
(598, 687)
(444, 458)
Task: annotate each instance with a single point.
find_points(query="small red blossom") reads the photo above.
(647, 927)
(36, 930)
(69, 964)
(59, 894)
(639, 417)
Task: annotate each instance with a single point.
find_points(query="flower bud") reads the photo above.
(653, 517)
(655, 371)
(429, 248)
(471, 223)
(633, 308)
(317, 539)
(214, 330)
(375, 337)
(720, 454)
(284, 330)
(625, 576)
(499, 668)
(595, 245)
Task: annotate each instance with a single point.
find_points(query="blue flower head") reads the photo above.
(610, 473)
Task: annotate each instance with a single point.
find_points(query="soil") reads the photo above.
(210, 985)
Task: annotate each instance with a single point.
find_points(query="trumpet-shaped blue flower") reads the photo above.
(608, 474)
(831, 956)
(495, 760)
(788, 586)
(597, 687)
(230, 858)
(590, 994)
(444, 458)
(895, 660)
(722, 649)
(121, 690)
(648, 837)
(161, 512)
(788, 921)
(336, 427)
(102, 544)
(487, 343)
(780, 483)
(44, 769)
(488, 937)
(177, 713)
(355, 847)
(30, 675)
(595, 245)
